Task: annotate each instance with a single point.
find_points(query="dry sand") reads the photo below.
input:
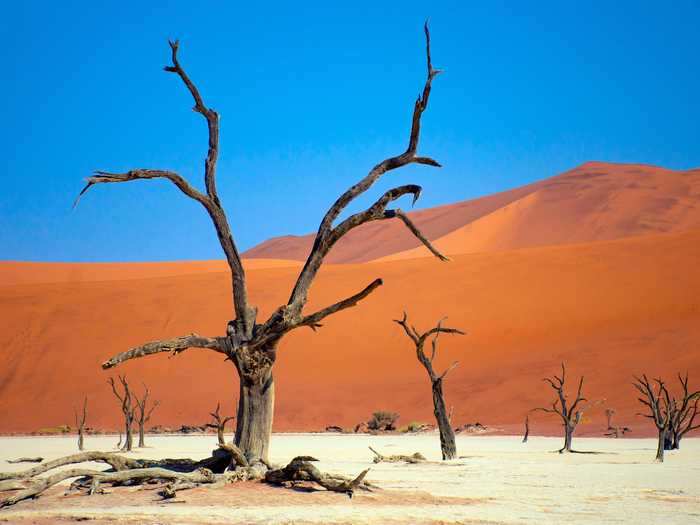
(610, 309)
(594, 201)
(497, 480)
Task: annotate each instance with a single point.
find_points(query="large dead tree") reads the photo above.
(570, 413)
(659, 404)
(128, 407)
(683, 413)
(144, 413)
(447, 434)
(219, 423)
(80, 424)
(251, 345)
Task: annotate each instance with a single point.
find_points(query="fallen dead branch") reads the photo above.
(300, 469)
(227, 464)
(416, 457)
(26, 460)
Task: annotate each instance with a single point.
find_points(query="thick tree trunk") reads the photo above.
(128, 438)
(447, 435)
(256, 404)
(661, 446)
(568, 437)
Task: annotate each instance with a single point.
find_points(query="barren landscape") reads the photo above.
(496, 480)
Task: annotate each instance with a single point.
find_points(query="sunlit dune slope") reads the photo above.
(609, 309)
(12, 272)
(595, 201)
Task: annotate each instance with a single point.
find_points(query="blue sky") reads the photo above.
(311, 95)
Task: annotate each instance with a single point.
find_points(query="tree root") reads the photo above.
(300, 469)
(227, 464)
(414, 458)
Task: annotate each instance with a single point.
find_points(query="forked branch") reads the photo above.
(327, 235)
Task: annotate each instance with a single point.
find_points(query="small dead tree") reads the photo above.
(248, 343)
(683, 414)
(219, 423)
(609, 413)
(612, 430)
(128, 407)
(658, 402)
(447, 435)
(570, 414)
(80, 424)
(527, 427)
(144, 414)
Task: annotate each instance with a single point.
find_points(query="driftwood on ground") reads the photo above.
(26, 460)
(300, 469)
(227, 464)
(416, 457)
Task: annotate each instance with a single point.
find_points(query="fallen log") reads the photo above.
(300, 469)
(417, 457)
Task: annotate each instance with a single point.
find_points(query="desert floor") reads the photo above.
(496, 480)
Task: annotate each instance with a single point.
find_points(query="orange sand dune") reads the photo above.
(609, 309)
(12, 272)
(595, 201)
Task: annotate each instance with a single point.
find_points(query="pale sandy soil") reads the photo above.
(497, 480)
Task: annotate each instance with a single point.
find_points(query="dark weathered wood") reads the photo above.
(80, 425)
(300, 469)
(447, 435)
(570, 415)
(219, 423)
(128, 407)
(144, 414)
(658, 402)
(683, 414)
(527, 427)
(252, 346)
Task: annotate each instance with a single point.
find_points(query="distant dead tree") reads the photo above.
(219, 423)
(569, 414)
(144, 414)
(251, 346)
(683, 414)
(614, 431)
(80, 424)
(128, 407)
(447, 435)
(658, 402)
(527, 427)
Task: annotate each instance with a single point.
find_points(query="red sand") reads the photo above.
(595, 201)
(609, 309)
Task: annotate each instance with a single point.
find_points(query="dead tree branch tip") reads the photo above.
(219, 423)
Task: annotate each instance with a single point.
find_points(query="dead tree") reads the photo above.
(611, 430)
(683, 414)
(569, 414)
(80, 424)
(219, 423)
(128, 407)
(144, 414)
(658, 402)
(447, 435)
(609, 413)
(251, 345)
(527, 427)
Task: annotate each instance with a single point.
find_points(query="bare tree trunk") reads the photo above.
(128, 437)
(254, 421)
(568, 437)
(447, 435)
(527, 428)
(142, 441)
(661, 446)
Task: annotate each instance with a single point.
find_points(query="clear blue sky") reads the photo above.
(311, 96)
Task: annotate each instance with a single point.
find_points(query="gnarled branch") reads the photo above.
(175, 346)
(327, 235)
